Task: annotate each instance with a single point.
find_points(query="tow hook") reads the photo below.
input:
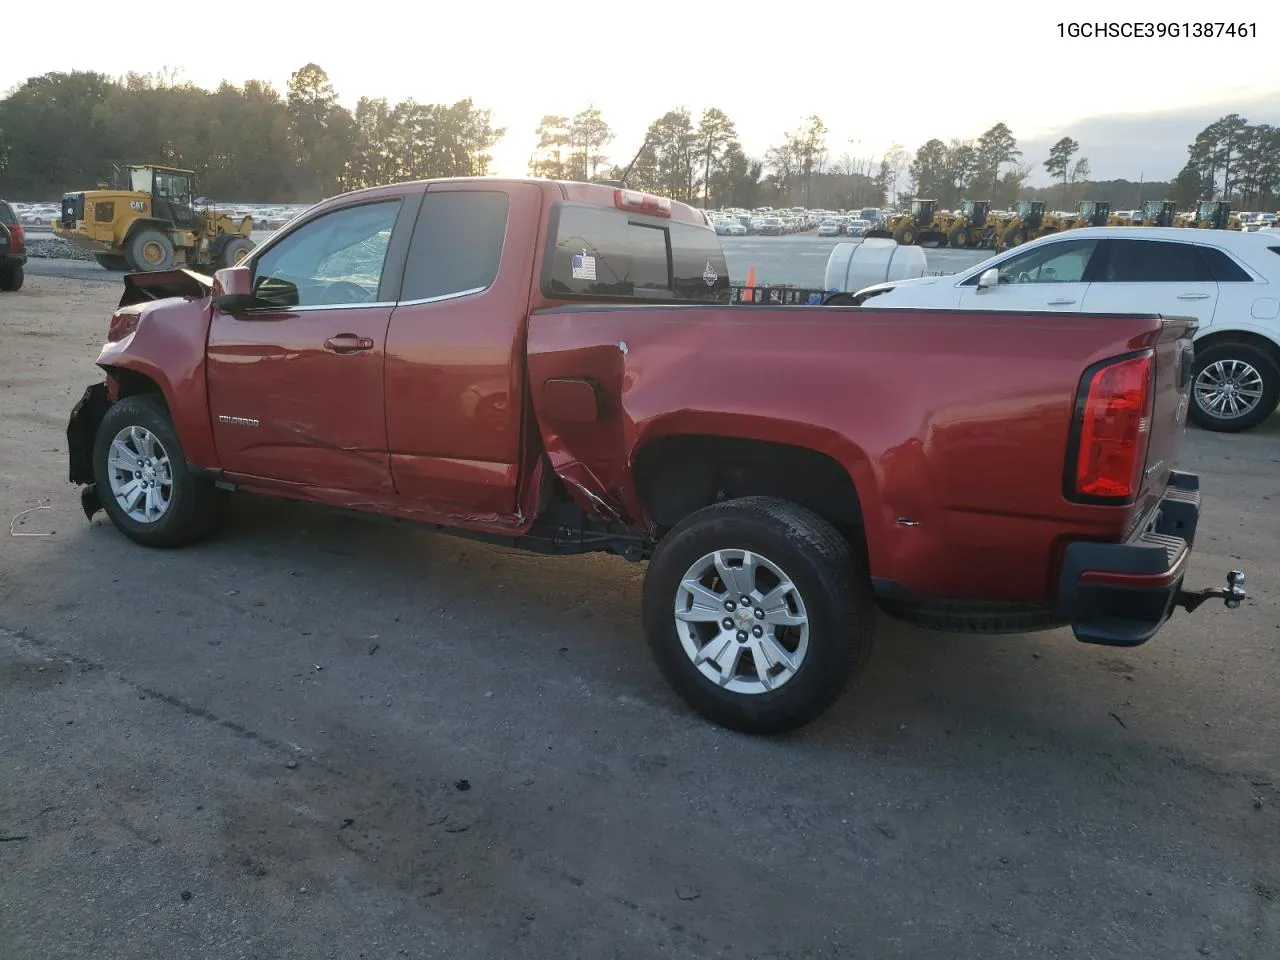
(1231, 594)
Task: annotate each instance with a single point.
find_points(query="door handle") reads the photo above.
(1061, 303)
(1193, 296)
(348, 343)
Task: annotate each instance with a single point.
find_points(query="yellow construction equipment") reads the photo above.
(1029, 222)
(922, 224)
(966, 228)
(1158, 213)
(1095, 213)
(1214, 215)
(147, 222)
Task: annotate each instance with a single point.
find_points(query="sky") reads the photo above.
(875, 73)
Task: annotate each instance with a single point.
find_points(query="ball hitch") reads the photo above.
(1231, 594)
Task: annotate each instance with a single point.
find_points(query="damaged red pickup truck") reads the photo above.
(557, 367)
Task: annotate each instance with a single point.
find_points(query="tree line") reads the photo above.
(64, 131)
(249, 142)
(1232, 159)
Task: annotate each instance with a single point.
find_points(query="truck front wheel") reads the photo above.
(143, 481)
(758, 613)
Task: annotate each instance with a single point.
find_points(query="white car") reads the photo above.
(1227, 280)
(829, 228)
(1259, 221)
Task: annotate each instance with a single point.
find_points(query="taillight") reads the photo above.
(17, 238)
(642, 203)
(1111, 430)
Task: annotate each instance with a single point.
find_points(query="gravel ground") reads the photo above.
(314, 737)
(55, 248)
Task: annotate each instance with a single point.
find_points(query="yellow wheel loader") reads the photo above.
(1215, 215)
(967, 228)
(147, 222)
(1158, 213)
(1029, 221)
(921, 225)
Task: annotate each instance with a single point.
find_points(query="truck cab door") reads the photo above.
(455, 350)
(1049, 276)
(296, 384)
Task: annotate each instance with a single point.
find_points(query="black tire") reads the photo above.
(12, 277)
(828, 574)
(194, 503)
(1013, 238)
(958, 238)
(1232, 355)
(112, 262)
(145, 241)
(905, 235)
(235, 251)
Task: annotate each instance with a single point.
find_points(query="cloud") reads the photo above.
(1150, 145)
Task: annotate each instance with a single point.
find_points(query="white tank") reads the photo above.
(855, 264)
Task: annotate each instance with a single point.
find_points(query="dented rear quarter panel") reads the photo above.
(955, 421)
(164, 341)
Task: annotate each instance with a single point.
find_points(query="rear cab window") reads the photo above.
(599, 252)
(7, 216)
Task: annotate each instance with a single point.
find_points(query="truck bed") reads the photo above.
(952, 424)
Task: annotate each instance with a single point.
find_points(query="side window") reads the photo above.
(602, 252)
(1223, 268)
(335, 259)
(1154, 261)
(457, 244)
(1061, 262)
(6, 213)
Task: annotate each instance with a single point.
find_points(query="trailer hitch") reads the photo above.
(1231, 594)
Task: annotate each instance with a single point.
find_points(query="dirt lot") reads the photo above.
(255, 748)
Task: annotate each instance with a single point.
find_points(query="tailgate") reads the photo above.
(1174, 354)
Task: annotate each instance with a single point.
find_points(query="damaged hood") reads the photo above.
(180, 296)
(164, 285)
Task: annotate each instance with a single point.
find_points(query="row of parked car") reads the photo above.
(768, 222)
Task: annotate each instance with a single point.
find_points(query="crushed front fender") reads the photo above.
(82, 430)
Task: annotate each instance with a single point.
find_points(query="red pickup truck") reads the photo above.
(558, 367)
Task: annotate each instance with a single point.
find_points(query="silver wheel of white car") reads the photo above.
(1229, 388)
(742, 621)
(1235, 386)
(140, 474)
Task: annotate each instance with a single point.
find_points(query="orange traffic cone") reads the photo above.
(751, 284)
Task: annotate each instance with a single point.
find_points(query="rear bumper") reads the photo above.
(1121, 594)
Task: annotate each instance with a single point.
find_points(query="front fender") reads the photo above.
(166, 346)
(82, 430)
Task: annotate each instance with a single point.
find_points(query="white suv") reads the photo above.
(1227, 280)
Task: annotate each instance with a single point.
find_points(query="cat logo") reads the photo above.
(139, 205)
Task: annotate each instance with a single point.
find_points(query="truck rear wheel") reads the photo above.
(1235, 387)
(150, 250)
(758, 612)
(143, 481)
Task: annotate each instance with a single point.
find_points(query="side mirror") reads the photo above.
(231, 289)
(989, 278)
